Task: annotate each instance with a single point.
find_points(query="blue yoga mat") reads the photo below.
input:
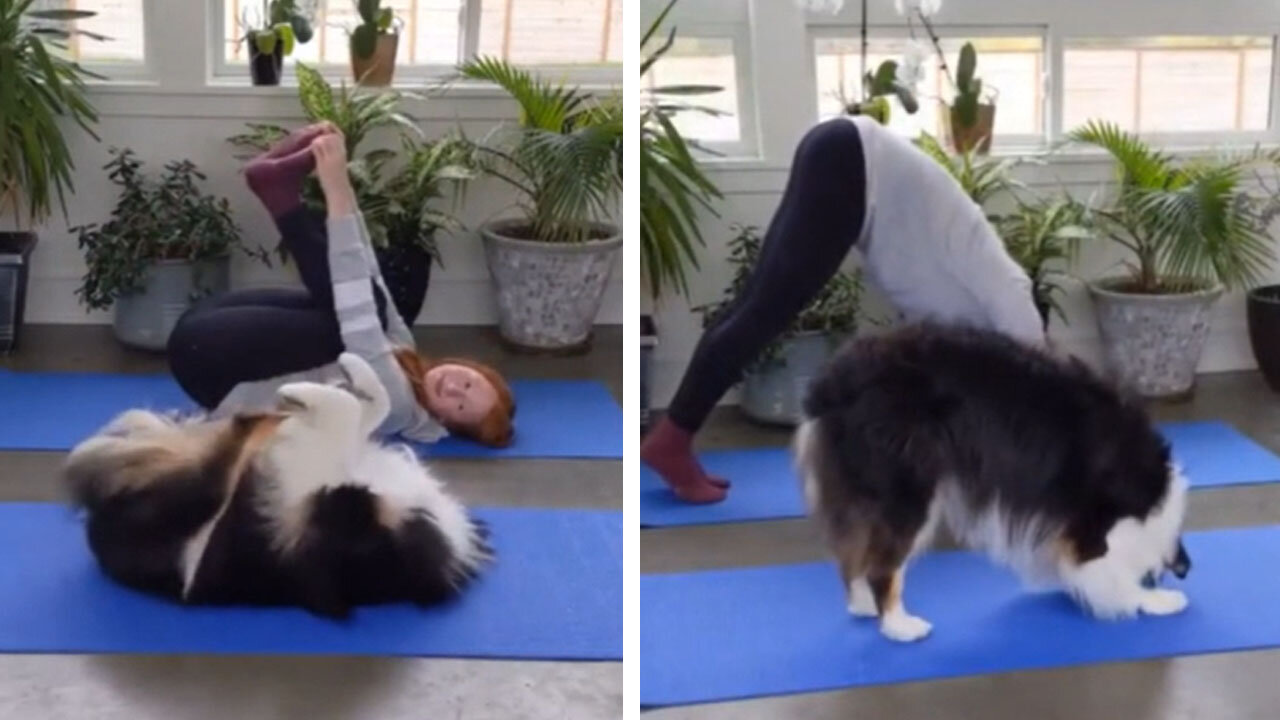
(54, 411)
(737, 634)
(1213, 454)
(555, 594)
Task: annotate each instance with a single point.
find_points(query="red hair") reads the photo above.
(496, 428)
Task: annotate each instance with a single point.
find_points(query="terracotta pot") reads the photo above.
(965, 138)
(377, 69)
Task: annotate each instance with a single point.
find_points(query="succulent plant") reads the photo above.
(968, 87)
(375, 20)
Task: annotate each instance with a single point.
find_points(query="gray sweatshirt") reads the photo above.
(929, 248)
(352, 265)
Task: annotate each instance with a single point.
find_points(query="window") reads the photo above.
(121, 21)
(435, 32)
(1013, 67)
(703, 61)
(1170, 84)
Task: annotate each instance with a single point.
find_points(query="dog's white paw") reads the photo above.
(1161, 601)
(861, 602)
(901, 627)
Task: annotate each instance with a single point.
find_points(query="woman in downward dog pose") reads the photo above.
(924, 243)
(231, 353)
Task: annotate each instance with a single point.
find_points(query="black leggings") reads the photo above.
(812, 231)
(257, 334)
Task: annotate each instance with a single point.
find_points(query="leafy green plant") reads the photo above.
(375, 20)
(411, 215)
(564, 156)
(835, 310)
(169, 219)
(673, 188)
(357, 113)
(41, 92)
(1043, 236)
(282, 23)
(981, 177)
(1186, 226)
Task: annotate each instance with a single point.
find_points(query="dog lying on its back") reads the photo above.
(297, 506)
(1031, 458)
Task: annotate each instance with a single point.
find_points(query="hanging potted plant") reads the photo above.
(891, 79)
(673, 189)
(44, 95)
(774, 384)
(374, 43)
(167, 244)
(271, 38)
(550, 267)
(1191, 233)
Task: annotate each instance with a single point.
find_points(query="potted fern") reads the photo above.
(1191, 232)
(374, 43)
(271, 38)
(774, 384)
(167, 244)
(550, 266)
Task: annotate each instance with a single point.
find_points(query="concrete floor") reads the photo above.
(1235, 686)
(126, 687)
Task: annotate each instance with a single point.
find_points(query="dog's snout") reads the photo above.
(1181, 564)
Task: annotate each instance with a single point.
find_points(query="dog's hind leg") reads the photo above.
(885, 576)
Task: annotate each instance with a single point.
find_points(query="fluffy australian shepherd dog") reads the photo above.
(1029, 457)
(297, 506)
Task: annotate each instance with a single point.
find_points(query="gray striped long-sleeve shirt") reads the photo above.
(352, 267)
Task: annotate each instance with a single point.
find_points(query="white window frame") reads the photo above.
(1001, 143)
(223, 72)
(1094, 19)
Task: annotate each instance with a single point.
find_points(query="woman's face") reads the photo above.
(458, 395)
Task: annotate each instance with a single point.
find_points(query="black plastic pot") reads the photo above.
(266, 69)
(1263, 309)
(15, 269)
(406, 268)
(648, 341)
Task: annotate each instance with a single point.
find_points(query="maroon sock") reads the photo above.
(278, 182)
(668, 449)
(293, 142)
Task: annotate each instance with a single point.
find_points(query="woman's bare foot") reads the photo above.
(668, 449)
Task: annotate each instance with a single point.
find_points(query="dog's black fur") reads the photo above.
(1065, 454)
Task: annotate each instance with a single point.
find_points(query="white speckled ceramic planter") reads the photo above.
(548, 294)
(1153, 343)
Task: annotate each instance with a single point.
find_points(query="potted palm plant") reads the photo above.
(774, 383)
(167, 244)
(44, 96)
(271, 37)
(374, 43)
(550, 266)
(673, 190)
(1190, 234)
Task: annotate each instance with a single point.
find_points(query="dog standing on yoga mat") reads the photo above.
(297, 506)
(924, 244)
(231, 352)
(1030, 457)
